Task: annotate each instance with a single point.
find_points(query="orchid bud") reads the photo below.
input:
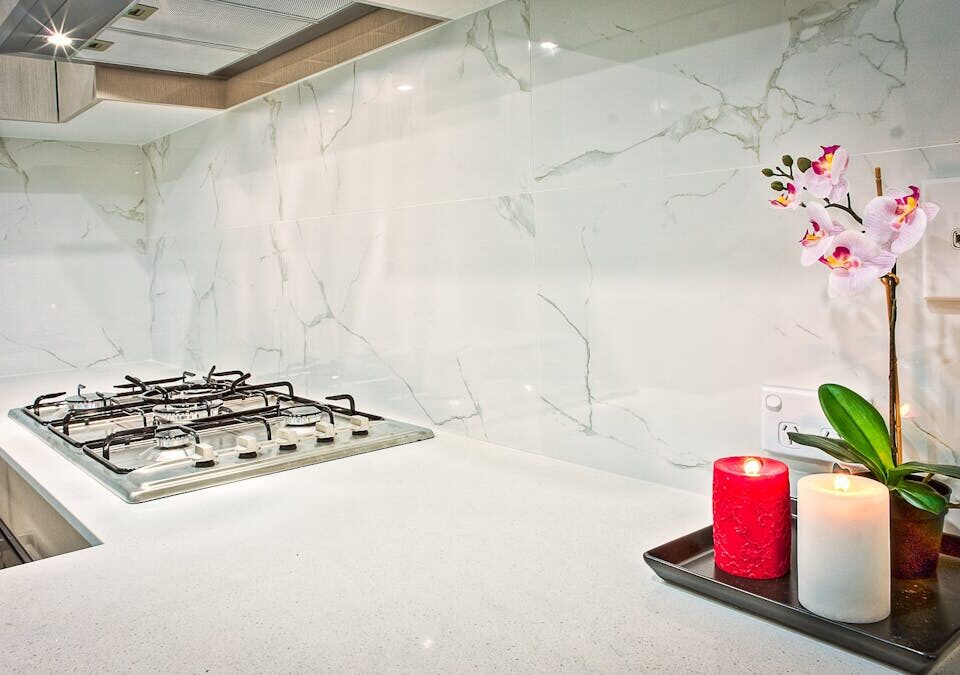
(803, 163)
(787, 160)
(777, 185)
(767, 172)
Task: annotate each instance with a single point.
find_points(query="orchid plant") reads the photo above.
(891, 224)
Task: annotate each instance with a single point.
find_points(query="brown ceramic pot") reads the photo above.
(915, 537)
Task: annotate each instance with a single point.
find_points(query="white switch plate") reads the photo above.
(941, 243)
(785, 409)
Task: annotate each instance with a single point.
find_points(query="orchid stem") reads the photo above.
(853, 214)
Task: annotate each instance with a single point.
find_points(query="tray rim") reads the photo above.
(900, 655)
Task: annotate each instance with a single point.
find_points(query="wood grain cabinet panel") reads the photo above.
(370, 32)
(28, 89)
(76, 89)
(121, 84)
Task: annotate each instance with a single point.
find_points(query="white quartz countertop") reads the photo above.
(447, 555)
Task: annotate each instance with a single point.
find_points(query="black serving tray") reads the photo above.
(924, 623)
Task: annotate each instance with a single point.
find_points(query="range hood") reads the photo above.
(196, 37)
(134, 71)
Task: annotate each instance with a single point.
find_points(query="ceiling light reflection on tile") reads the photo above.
(405, 87)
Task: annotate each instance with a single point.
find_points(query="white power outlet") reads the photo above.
(786, 409)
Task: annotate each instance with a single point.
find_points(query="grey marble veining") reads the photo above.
(566, 250)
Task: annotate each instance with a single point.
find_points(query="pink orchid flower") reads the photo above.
(899, 218)
(820, 236)
(855, 260)
(824, 178)
(788, 199)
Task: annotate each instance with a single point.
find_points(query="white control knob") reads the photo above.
(288, 439)
(205, 454)
(247, 446)
(360, 425)
(267, 447)
(325, 432)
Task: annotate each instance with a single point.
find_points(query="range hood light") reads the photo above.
(58, 39)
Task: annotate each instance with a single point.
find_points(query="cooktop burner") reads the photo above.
(185, 411)
(153, 438)
(82, 401)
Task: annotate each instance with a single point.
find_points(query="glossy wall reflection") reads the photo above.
(74, 286)
(565, 249)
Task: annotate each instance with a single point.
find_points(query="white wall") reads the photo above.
(567, 251)
(73, 278)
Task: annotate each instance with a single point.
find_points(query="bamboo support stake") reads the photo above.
(890, 282)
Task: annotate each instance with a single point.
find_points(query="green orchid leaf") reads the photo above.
(908, 468)
(858, 423)
(838, 449)
(921, 496)
(833, 447)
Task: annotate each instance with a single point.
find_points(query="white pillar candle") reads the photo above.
(843, 547)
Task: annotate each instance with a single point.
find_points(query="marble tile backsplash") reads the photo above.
(73, 274)
(565, 250)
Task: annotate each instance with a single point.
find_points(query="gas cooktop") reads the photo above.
(154, 438)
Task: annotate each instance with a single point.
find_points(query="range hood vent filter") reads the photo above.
(214, 23)
(309, 9)
(147, 51)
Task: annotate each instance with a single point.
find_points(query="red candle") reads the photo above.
(751, 517)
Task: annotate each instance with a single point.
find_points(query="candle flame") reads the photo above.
(751, 466)
(841, 482)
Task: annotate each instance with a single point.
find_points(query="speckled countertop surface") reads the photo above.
(448, 555)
